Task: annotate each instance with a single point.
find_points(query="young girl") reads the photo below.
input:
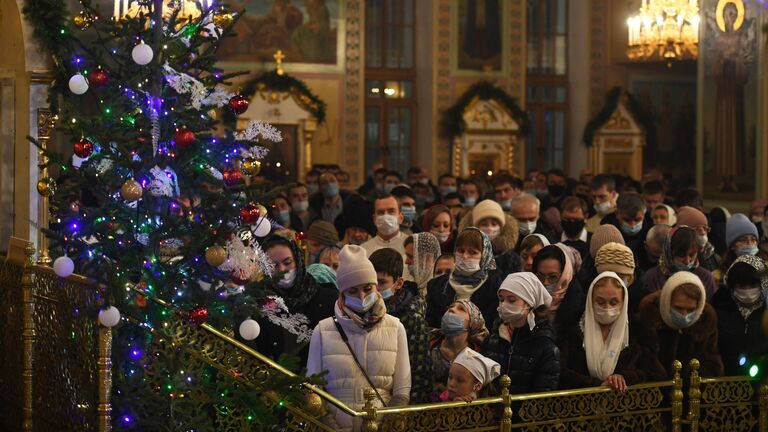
(469, 374)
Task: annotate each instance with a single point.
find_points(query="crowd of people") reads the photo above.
(430, 292)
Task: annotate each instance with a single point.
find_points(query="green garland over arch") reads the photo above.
(286, 83)
(641, 115)
(452, 120)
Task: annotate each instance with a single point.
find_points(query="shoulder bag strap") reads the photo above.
(346, 341)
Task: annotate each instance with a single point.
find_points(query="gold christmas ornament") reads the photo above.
(250, 166)
(215, 256)
(46, 186)
(131, 190)
(223, 18)
(262, 211)
(82, 21)
(314, 404)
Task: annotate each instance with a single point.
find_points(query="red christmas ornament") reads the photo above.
(83, 148)
(249, 214)
(98, 78)
(141, 301)
(237, 281)
(198, 315)
(238, 104)
(184, 138)
(232, 177)
(300, 235)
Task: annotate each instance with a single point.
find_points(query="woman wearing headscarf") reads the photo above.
(680, 254)
(553, 267)
(361, 346)
(461, 326)
(740, 307)
(473, 278)
(529, 247)
(664, 215)
(421, 253)
(676, 323)
(598, 352)
(304, 293)
(501, 229)
(523, 340)
(438, 221)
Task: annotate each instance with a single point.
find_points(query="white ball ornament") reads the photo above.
(249, 329)
(109, 317)
(142, 54)
(63, 266)
(78, 84)
(262, 228)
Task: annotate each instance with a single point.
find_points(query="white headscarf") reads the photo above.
(481, 367)
(426, 250)
(529, 288)
(602, 355)
(544, 240)
(671, 214)
(674, 281)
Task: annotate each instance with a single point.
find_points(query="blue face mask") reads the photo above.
(361, 306)
(409, 213)
(331, 190)
(682, 321)
(387, 293)
(746, 250)
(452, 324)
(683, 267)
(631, 230)
(470, 201)
(312, 188)
(445, 190)
(551, 287)
(284, 217)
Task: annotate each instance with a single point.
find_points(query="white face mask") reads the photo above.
(747, 296)
(510, 313)
(491, 231)
(702, 240)
(300, 206)
(603, 207)
(288, 278)
(387, 224)
(442, 237)
(467, 266)
(606, 316)
(527, 227)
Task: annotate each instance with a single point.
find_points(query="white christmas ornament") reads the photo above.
(142, 54)
(249, 329)
(78, 84)
(63, 266)
(262, 228)
(109, 317)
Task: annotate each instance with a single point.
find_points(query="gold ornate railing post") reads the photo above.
(105, 379)
(763, 408)
(506, 416)
(677, 397)
(28, 336)
(694, 396)
(369, 424)
(46, 121)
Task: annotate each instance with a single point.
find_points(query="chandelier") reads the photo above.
(664, 29)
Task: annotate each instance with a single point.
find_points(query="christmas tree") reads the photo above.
(160, 201)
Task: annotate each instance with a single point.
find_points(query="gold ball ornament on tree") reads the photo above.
(46, 186)
(250, 166)
(215, 256)
(223, 18)
(314, 404)
(82, 20)
(131, 190)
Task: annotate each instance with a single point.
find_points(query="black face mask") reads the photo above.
(572, 228)
(556, 190)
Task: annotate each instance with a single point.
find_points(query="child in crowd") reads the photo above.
(469, 375)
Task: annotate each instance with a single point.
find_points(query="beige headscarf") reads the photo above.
(602, 355)
(674, 281)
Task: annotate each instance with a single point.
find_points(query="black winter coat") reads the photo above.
(738, 336)
(571, 308)
(441, 295)
(531, 359)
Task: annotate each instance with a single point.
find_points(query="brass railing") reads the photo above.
(51, 336)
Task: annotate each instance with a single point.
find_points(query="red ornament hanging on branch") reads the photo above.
(83, 148)
(98, 78)
(249, 214)
(232, 177)
(238, 104)
(198, 315)
(184, 138)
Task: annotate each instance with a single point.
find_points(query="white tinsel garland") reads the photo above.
(256, 129)
(183, 84)
(257, 152)
(163, 183)
(245, 262)
(277, 312)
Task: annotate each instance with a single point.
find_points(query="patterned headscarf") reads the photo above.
(487, 262)
(426, 250)
(477, 329)
(758, 264)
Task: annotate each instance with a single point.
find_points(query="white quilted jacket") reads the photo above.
(383, 351)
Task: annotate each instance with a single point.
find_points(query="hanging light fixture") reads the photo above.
(664, 29)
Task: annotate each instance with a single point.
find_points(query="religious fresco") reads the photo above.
(731, 129)
(672, 106)
(307, 31)
(479, 35)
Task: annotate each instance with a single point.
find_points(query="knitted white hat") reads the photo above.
(354, 268)
(488, 209)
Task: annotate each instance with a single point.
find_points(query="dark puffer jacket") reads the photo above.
(738, 336)
(531, 359)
